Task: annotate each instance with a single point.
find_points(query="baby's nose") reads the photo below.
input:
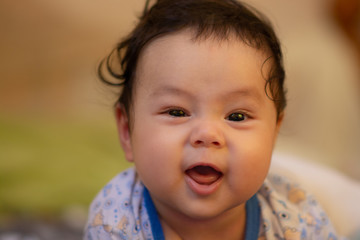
(207, 134)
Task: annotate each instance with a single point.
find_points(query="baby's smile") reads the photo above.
(203, 179)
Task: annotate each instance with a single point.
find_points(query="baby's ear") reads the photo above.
(122, 122)
(279, 121)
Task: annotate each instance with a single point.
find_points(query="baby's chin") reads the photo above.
(209, 212)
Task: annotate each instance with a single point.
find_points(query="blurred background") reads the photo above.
(58, 141)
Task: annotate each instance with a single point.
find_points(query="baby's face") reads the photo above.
(203, 128)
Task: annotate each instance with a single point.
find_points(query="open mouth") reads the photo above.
(203, 174)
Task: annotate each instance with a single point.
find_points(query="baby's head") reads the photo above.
(201, 105)
(207, 19)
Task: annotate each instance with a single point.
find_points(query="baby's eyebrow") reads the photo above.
(232, 95)
(244, 92)
(170, 90)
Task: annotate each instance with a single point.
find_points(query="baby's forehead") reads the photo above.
(182, 47)
(179, 55)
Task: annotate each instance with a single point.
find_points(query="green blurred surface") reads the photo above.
(49, 165)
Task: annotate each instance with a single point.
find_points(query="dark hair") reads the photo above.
(208, 18)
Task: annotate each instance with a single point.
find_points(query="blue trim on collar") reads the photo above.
(252, 218)
(156, 228)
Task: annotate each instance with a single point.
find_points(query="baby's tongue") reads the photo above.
(203, 174)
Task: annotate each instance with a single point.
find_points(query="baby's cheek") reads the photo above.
(248, 173)
(154, 160)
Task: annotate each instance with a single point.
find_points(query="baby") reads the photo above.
(201, 105)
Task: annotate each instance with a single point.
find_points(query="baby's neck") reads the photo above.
(229, 226)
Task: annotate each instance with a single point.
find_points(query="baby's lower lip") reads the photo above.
(203, 180)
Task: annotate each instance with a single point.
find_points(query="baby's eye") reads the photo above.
(177, 113)
(237, 117)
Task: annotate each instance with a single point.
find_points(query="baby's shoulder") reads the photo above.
(116, 209)
(290, 212)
